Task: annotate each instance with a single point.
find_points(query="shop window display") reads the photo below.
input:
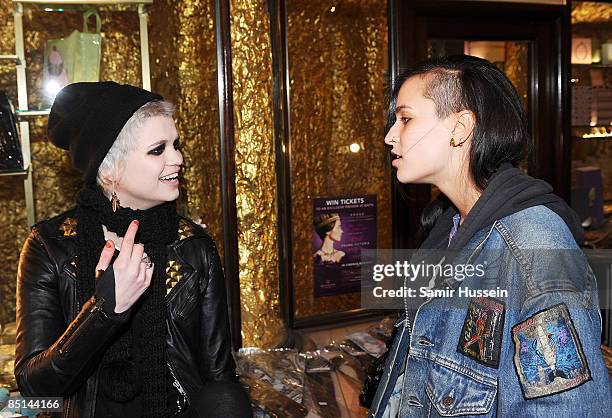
(591, 80)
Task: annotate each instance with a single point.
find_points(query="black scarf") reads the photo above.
(135, 362)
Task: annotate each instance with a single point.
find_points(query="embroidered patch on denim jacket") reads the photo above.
(548, 356)
(482, 331)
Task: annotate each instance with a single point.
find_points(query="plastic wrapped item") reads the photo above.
(283, 369)
(319, 391)
(350, 389)
(316, 363)
(320, 395)
(271, 402)
(370, 344)
(351, 348)
(384, 329)
(259, 413)
(356, 358)
(320, 383)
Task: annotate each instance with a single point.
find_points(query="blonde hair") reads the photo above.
(113, 163)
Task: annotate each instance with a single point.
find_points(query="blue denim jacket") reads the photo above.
(435, 379)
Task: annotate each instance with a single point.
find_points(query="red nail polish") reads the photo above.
(109, 244)
(137, 223)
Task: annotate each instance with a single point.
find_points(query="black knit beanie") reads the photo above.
(87, 117)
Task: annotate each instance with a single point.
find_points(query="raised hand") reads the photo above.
(132, 275)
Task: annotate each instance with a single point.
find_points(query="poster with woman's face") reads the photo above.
(342, 227)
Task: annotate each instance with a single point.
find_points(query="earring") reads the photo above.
(452, 143)
(114, 200)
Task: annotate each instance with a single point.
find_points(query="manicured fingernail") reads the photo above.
(137, 223)
(109, 244)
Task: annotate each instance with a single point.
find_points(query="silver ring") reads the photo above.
(147, 260)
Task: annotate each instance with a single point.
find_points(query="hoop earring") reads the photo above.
(454, 145)
(115, 203)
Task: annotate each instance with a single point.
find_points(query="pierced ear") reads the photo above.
(466, 121)
(105, 178)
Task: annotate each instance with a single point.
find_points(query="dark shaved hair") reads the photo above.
(463, 82)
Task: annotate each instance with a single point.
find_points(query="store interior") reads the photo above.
(282, 106)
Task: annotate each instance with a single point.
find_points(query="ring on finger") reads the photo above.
(147, 260)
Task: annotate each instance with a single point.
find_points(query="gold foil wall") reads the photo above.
(516, 67)
(255, 172)
(591, 12)
(338, 68)
(183, 69)
(55, 183)
(12, 216)
(338, 65)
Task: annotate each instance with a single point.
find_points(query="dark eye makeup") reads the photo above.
(159, 150)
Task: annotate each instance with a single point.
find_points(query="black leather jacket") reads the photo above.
(58, 349)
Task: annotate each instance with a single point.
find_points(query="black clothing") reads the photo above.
(222, 400)
(87, 117)
(509, 191)
(134, 364)
(59, 348)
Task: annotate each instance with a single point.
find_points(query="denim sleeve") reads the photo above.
(554, 364)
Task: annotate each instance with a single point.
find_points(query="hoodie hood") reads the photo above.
(509, 191)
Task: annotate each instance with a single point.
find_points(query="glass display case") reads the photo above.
(335, 185)
(591, 119)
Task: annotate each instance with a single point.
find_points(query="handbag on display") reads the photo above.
(11, 158)
(72, 59)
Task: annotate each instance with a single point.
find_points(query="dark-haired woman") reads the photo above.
(121, 304)
(329, 228)
(532, 351)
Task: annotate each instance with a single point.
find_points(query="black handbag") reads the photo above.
(11, 158)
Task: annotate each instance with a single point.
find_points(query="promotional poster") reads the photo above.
(342, 227)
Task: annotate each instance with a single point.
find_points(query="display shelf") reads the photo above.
(591, 126)
(587, 132)
(24, 113)
(32, 113)
(23, 172)
(43, 3)
(13, 58)
(60, 6)
(594, 65)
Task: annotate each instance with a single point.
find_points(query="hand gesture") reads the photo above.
(132, 272)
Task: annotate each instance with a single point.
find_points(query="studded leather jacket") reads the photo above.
(58, 349)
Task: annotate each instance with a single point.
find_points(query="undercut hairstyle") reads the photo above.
(462, 82)
(113, 163)
(443, 87)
